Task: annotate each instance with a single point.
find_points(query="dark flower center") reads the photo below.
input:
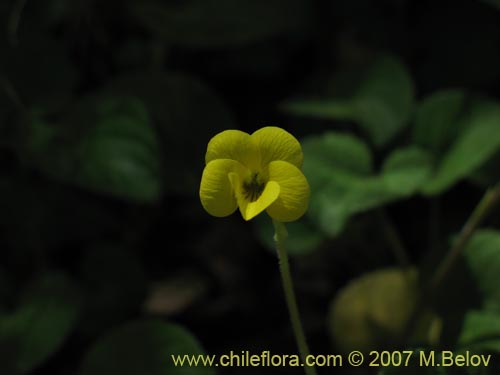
(253, 188)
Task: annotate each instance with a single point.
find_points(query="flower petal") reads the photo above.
(251, 209)
(277, 144)
(294, 192)
(235, 145)
(216, 192)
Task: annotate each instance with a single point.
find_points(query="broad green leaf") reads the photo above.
(339, 153)
(478, 142)
(437, 120)
(332, 205)
(406, 170)
(302, 239)
(480, 332)
(482, 255)
(340, 172)
(143, 347)
(382, 103)
(186, 114)
(217, 23)
(336, 165)
(106, 145)
(38, 328)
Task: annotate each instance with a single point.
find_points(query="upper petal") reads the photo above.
(235, 145)
(293, 200)
(251, 209)
(277, 144)
(216, 192)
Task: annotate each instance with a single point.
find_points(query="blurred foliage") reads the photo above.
(374, 307)
(110, 264)
(142, 347)
(381, 103)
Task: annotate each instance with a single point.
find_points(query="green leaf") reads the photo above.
(216, 23)
(178, 104)
(333, 205)
(333, 164)
(480, 332)
(437, 120)
(385, 100)
(406, 170)
(143, 347)
(46, 316)
(339, 153)
(339, 169)
(303, 238)
(381, 104)
(107, 145)
(478, 142)
(482, 255)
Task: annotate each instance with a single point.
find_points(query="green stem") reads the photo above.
(434, 224)
(291, 301)
(489, 199)
(484, 206)
(395, 242)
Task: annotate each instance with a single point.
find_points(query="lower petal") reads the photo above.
(216, 192)
(251, 209)
(294, 194)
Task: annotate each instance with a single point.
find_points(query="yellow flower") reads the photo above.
(255, 173)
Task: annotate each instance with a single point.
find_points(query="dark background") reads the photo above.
(106, 108)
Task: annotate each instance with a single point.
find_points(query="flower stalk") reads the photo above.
(286, 278)
(489, 200)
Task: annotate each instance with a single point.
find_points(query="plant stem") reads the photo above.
(286, 278)
(487, 202)
(484, 206)
(392, 236)
(434, 224)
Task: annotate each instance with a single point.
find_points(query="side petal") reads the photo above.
(235, 145)
(251, 209)
(277, 144)
(216, 192)
(293, 200)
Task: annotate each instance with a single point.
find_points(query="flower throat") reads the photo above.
(253, 189)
